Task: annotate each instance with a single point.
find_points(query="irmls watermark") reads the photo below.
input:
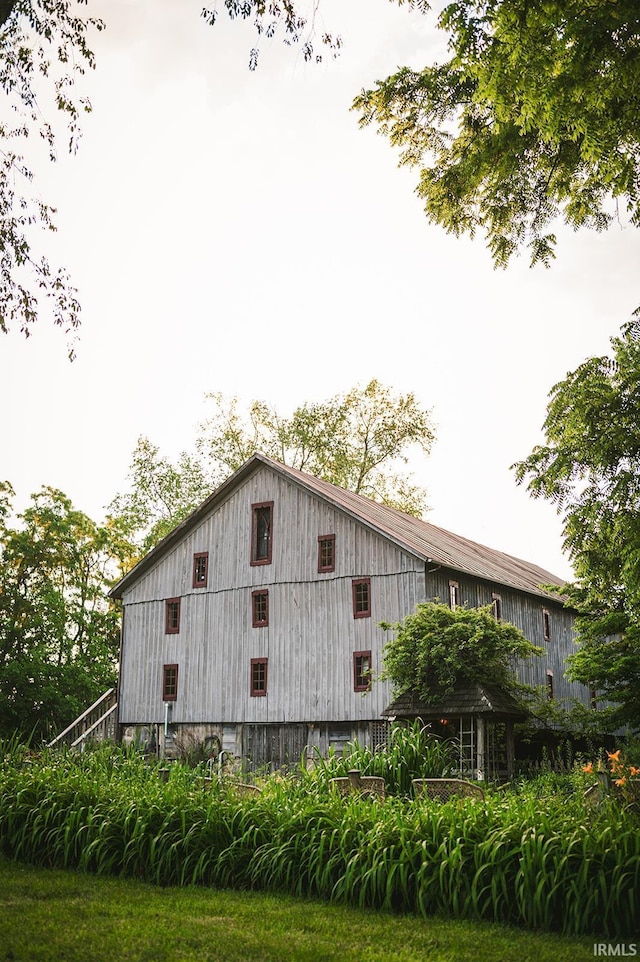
(623, 950)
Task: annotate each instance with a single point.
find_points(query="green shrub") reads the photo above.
(536, 859)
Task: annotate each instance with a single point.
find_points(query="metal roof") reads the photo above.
(425, 541)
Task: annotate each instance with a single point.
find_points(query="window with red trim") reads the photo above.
(200, 569)
(361, 588)
(326, 552)
(546, 625)
(259, 608)
(172, 616)
(169, 682)
(261, 533)
(454, 595)
(496, 606)
(361, 670)
(258, 676)
(550, 689)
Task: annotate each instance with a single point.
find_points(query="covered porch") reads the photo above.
(479, 717)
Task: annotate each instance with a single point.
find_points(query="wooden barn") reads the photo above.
(253, 627)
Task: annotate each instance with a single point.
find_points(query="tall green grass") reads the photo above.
(540, 861)
(412, 752)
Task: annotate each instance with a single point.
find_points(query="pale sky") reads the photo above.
(234, 231)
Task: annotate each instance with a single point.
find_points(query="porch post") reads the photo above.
(480, 748)
(510, 746)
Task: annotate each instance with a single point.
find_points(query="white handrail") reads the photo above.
(81, 717)
(100, 721)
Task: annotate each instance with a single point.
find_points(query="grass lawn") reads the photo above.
(51, 915)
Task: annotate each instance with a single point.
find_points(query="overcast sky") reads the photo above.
(234, 231)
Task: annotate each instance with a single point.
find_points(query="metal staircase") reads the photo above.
(97, 723)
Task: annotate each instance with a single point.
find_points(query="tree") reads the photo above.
(358, 440)
(59, 636)
(436, 647)
(533, 116)
(160, 495)
(589, 468)
(43, 48)
(346, 440)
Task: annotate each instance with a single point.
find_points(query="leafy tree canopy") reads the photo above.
(534, 116)
(590, 469)
(436, 647)
(43, 50)
(358, 440)
(59, 636)
(160, 495)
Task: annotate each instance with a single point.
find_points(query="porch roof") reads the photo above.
(466, 699)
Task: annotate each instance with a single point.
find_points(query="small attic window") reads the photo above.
(454, 595)
(261, 534)
(496, 606)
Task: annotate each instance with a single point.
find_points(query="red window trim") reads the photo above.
(254, 547)
(546, 624)
(165, 696)
(551, 694)
(496, 606)
(454, 595)
(170, 629)
(258, 692)
(322, 538)
(195, 583)
(363, 613)
(255, 621)
(359, 686)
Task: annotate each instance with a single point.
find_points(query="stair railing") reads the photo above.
(78, 729)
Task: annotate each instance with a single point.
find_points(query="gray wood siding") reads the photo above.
(311, 635)
(524, 611)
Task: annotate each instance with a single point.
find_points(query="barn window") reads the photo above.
(258, 676)
(326, 552)
(200, 569)
(361, 588)
(169, 682)
(546, 625)
(496, 607)
(361, 670)
(454, 595)
(550, 691)
(261, 539)
(172, 616)
(259, 608)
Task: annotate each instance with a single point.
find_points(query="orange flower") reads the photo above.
(588, 768)
(614, 758)
(621, 781)
(634, 771)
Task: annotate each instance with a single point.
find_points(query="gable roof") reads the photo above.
(466, 698)
(429, 543)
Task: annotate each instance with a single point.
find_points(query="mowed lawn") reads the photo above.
(53, 915)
